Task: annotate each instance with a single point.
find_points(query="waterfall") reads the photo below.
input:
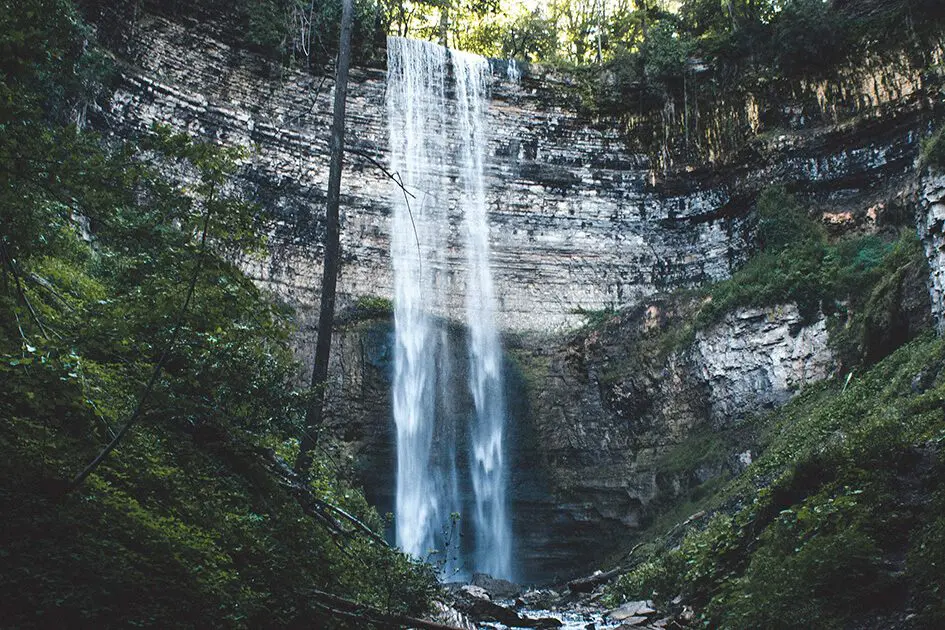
(436, 101)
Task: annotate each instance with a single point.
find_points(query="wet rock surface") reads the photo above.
(546, 608)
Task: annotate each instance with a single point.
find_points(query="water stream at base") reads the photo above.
(436, 102)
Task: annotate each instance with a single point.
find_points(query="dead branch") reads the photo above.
(50, 289)
(397, 179)
(311, 109)
(588, 584)
(341, 607)
(313, 505)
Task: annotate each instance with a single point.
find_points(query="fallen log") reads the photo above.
(345, 608)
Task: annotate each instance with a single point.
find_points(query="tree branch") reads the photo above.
(397, 179)
(159, 366)
(19, 289)
(341, 607)
(312, 504)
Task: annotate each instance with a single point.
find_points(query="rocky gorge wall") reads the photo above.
(579, 218)
(586, 214)
(595, 419)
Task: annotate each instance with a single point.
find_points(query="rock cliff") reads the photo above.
(587, 215)
(930, 217)
(610, 409)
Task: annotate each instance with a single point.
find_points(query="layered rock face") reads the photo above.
(609, 408)
(579, 219)
(592, 419)
(757, 358)
(585, 214)
(930, 217)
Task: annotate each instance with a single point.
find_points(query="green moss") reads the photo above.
(859, 281)
(925, 565)
(596, 318)
(932, 152)
(365, 308)
(796, 263)
(813, 530)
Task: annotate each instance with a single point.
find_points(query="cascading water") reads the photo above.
(488, 467)
(436, 102)
(416, 97)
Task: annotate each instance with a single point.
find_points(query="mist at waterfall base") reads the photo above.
(436, 101)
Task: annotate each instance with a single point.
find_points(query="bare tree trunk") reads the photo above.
(326, 316)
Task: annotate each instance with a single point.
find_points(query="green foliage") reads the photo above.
(184, 524)
(783, 223)
(876, 320)
(530, 36)
(815, 529)
(665, 52)
(301, 32)
(932, 153)
(595, 318)
(813, 532)
(925, 564)
(858, 279)
(370, 306)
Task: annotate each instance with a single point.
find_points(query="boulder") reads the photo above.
(632, 610)
(497, 588)
(542, 599)
(474, 602)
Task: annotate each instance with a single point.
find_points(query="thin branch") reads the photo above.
(311, 503)
(19, 326)
(19, 289)
(353, 520)
(393, 176)
(341, 607)
(48, 286)
(159, 366)
(314, 103)
(397, 179)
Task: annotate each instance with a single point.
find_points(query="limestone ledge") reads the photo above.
(757, 358)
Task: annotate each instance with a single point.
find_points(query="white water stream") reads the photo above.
(436, 102)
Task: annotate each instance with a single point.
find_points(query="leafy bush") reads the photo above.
(925, 564)
(932, 153)
(298, 31)
(861, 280)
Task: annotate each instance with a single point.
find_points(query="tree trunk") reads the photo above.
(326, 317)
